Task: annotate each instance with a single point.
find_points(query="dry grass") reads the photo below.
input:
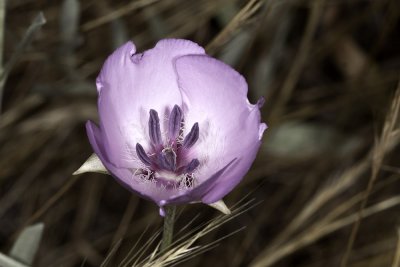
(327, 173)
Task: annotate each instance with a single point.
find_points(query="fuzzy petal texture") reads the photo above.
(129, 85)
(124, 176)
(215, 96)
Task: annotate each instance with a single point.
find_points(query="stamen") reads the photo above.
(192, 137)
(142, 155)
(154, 128)
(174, 123)
(144, 174)
(168, 159)
(163, 166)
(192, 165)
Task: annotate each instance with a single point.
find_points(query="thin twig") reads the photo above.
(37, 23)
(347, 179)
(126, 219)
(53, 200)
(183, 249)
(241, 18)
(379, 152)
(320, 231)
(396, 259)
(2, 31)
(123, 11)
(300, 59)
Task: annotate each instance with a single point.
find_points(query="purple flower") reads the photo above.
(175, 124)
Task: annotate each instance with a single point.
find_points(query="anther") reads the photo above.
(193, 164)
(154, 128)
(142, 155)
(174, 122)
(192, 136)
(168, 159)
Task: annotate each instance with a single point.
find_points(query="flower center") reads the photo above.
(167, 161)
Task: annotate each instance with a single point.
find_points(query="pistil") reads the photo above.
(164, 156)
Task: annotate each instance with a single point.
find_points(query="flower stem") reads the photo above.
(168, 230)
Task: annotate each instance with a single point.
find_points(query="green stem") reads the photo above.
(168, 230)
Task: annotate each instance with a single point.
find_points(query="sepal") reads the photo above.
(220, 205)
(92, 164)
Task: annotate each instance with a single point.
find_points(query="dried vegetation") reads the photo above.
(327, 174)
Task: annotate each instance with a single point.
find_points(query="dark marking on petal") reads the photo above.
(174, 122)
(192, 165)
(192, 136)
(142, 155)
(189, 181)
(154, 128)
(136, 58)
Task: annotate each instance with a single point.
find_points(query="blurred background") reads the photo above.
(326, 180)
